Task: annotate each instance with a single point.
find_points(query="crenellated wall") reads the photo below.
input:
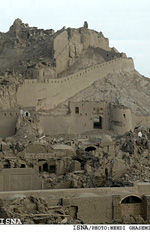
(49, 94)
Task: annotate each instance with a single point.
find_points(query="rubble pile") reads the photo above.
(89, 163)
(35, 210)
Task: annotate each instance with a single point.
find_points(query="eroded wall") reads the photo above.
(17, 179)
(143, 121)
(77, 121)
(94, 206)
(70, 43)
(8, 122)
(49, 94)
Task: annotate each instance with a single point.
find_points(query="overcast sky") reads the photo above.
(125, 22)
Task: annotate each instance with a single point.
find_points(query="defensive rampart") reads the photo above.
(54, 91)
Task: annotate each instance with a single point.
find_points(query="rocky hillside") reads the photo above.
(129, 89)
(24, 48)
(25, 52)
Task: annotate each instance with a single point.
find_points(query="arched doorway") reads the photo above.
(132, 205)
(90, 148)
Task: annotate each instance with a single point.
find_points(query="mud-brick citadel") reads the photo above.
(47, 85)
(74, 128)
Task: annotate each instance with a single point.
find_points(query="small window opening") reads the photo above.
(82, 166)
(76, 110)
(124, 115)
(7, 164)
(45, 167)
(23, 165)
(106, 173)
(97, 124)
(39, 168)
(52, 169)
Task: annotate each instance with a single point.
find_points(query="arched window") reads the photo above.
(131, 200)
(45, 167)
(132, 205)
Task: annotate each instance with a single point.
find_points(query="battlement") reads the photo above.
(49, 94)
(72, 76)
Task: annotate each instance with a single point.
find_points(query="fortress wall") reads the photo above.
(54, 125)
(69, 44)
(76, 123)
(90, 111)
(48, 96)
(30, 81)
(143, 121)
(63, 193)
(92, 39)
(7, 124)
(18, 179)
(65, 124)
(92, 209)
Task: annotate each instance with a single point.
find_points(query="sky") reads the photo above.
(125, 22)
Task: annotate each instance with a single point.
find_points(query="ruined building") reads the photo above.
(74, 115)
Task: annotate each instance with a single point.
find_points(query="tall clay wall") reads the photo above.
(143, 121)
(70, 43)
(8, 122)
(93, 206)
(15, 179)
(75, 123)
(49, 94)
